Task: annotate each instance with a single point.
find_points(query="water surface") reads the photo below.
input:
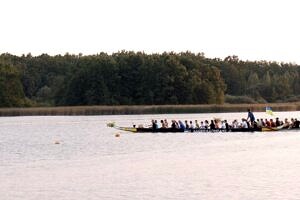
(78, 157)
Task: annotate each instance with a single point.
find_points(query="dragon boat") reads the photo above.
(176, 130)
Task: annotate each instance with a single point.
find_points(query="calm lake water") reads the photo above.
(79, 158)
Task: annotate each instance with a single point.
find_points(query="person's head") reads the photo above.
(248, 109)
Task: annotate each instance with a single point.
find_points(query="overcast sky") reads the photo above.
(250, 29)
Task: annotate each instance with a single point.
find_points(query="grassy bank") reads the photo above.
(153, 109)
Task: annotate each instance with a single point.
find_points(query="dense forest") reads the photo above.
(137, 78)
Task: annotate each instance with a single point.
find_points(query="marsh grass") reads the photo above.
(145, 109)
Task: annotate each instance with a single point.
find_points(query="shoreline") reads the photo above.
(145, 109)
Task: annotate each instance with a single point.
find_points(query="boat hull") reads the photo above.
(172, 130)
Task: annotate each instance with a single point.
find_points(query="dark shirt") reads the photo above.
(173, 125)
(273, 124)
(181, 125)
(251, 116)
(296, 124)
(154, 125)
(227, 126)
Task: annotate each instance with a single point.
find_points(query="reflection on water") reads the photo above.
(80, 158)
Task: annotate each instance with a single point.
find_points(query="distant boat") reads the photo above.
(269, 110)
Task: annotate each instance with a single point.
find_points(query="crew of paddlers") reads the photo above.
(249, 123)
(223, 124)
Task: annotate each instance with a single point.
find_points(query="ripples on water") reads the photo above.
(90, 163)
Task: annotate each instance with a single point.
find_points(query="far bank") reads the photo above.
(146, 109)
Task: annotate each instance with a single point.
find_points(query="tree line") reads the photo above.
(137, 78)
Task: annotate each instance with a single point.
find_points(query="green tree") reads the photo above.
(11, 90)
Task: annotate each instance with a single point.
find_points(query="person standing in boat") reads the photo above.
(251, 117)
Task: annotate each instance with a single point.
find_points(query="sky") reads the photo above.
(251, 29)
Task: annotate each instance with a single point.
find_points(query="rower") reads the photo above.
(186, 124)
(173, 125)
(277, 122)
(181, 125)
(244, 123)
(212, 125)
(267, 123)
(154, 124)
(191, 127)
(166, 123)
(296, 123)
(272, 123)
(197, 124)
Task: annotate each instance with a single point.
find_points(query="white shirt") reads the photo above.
(244, 124)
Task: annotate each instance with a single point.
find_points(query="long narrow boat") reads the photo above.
(172, 130)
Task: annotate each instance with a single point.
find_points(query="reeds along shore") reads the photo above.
(145, 109)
